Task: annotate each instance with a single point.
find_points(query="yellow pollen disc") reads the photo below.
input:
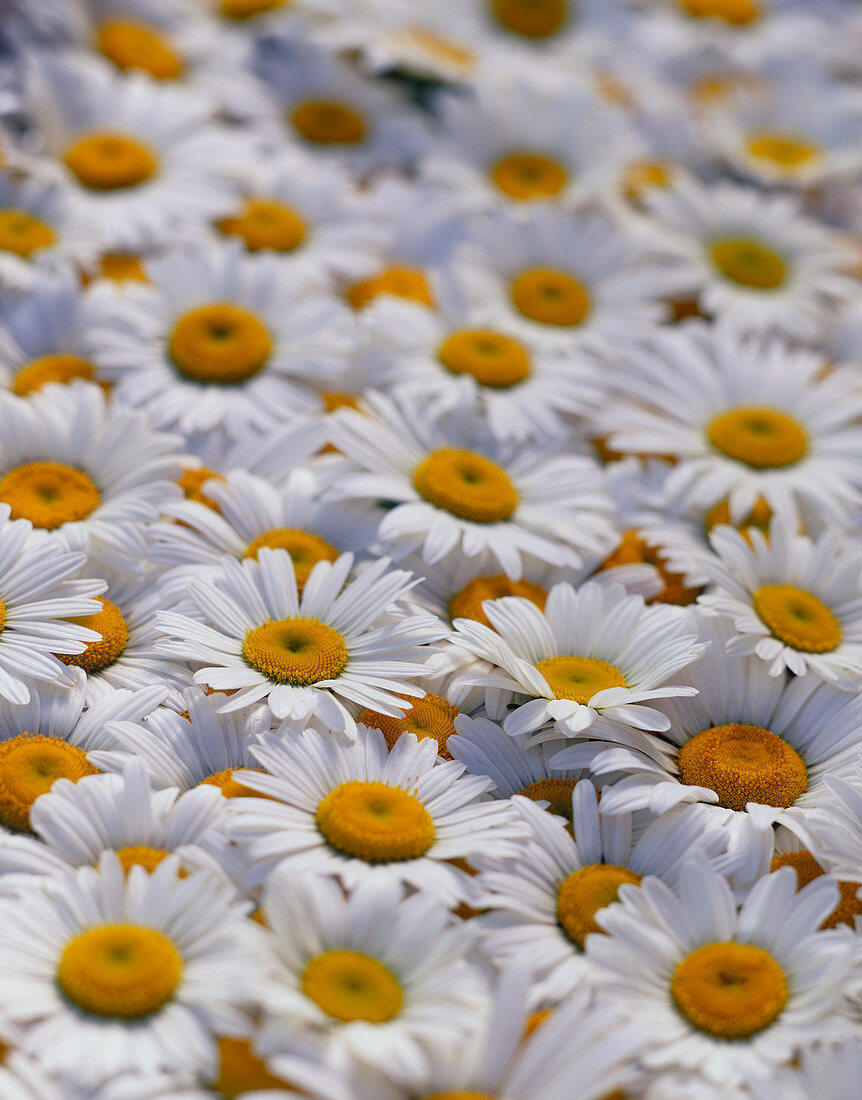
(467, 484)
(333, 400)
(108, 161)
(460, 1094)
(137, 46)
(531, 18)
(783, 150)
(748, 263)
(467, 603)
(141, 855)
(229, 786)
(328, 122)
(634, 549)
(240, 1071)
(49, 494)
(550, 297)
(305, 549)
(240, 10)
(109, 622)
(743, 764)
(759, 517)
(557, 791)
(645, 175)
(375, 822)
(266, 223)
(121, 971)
(494, 360)
(803, 863)
(739, 13)
(122, 266)
(527, 176)
(579, 678)
(23, 234)
(30, 764)
(401, 282)
(764, 439)
(297, 651)
(730, 990)
(431, 716)
(219, 344)
(797, 618)
(807, 869)
(583, 893)
(51, 368)
(348, 986)
(192, 482)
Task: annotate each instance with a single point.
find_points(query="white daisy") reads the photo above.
(309, 657)
(720, 994)
(220, 339)
(592, 652)
(834, 826)
(745, 420)
(452, 488)
(361, 812)
(832, 1070)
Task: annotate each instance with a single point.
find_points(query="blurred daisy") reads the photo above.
(832, 1070)
(835, 825)
(310, 656)
(592, 652)
(363, 813)
(451, 488)
(535, 27)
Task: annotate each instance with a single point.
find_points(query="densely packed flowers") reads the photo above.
(430, 562)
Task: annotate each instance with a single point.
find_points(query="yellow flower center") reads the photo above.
(579, 678)
(375, 822)
(743, 764)
(527, 176)
(333, 400)
(50, 368)
(266, 223)
(230, 787)
(759, 517)
(556, 791)
(807, 869)
(738, 13)
(121, 971)
(192, 482)
(531, 18)
(764, 439)
(432, 716)
(23, 234)
(551, 297)
(305, 549)
(467, 603)
(634, 549)
(219, 344)
(328, 122)
(583, 893)
(297, 651)
(136, 46)
(459, 1094)
(49, 494)
(123, 266)
(240, 1071)
(494, 360)
(240, 10)
(141, 855)
(783, 150)
(109, 622)
(109, 161)
(401, 282)
(30, 764)
(748, 263)
(730, 990)
(465, 483)
(349, 985)
(797, 618)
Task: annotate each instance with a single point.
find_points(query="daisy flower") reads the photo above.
(592, 652)
(751, 259)
(541, 908)
(667, 957)
(139, 970)
(361, 812)
(535, 30)
(452, 488)
(220, 339)
(834, 826)
(309, 657)
(374, 978)
(86, 476)
(745, 420)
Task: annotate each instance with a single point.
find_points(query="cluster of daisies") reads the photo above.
(431, 549)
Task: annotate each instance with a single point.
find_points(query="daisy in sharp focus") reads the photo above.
(364, 813)
(220, 339)
(717, 993)
(452, 488)
(592, 652)
(309, 657)
(747, 420)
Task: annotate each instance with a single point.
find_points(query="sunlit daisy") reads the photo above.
(361, 811)
(451, 488)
